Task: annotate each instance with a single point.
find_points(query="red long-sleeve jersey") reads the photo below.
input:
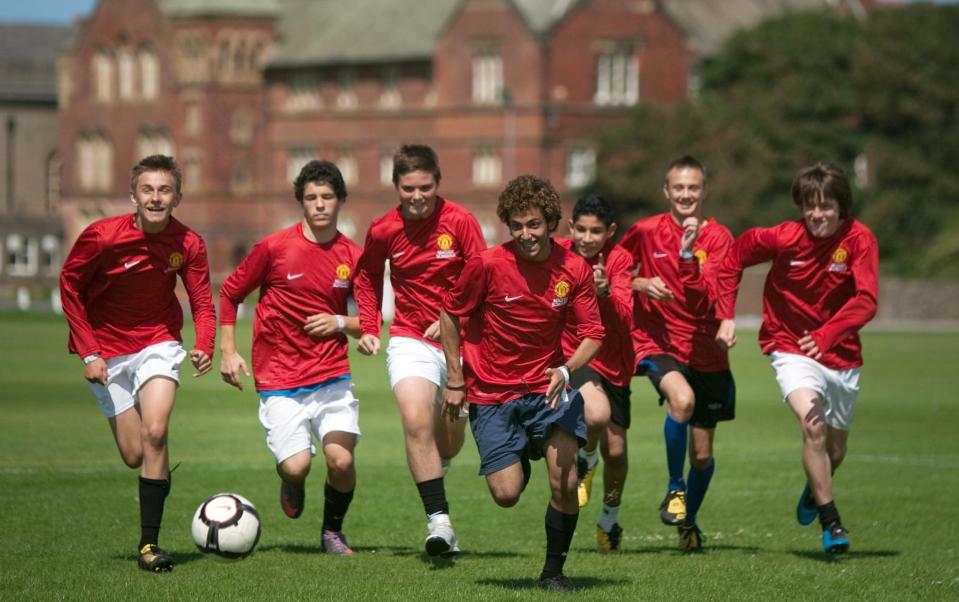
(826, 286)
(615, 361)
(426, 257)
(686, 326)
(117, 288)
(297, 278)
(521, 309)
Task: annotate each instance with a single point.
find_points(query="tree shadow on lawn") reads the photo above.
(851, 555)
(532, 583)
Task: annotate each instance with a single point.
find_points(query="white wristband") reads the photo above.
(340, 323)
(565, 371)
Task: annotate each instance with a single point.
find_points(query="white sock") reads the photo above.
(608, 517)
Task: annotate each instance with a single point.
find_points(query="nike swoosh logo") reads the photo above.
(796, 262)
(659, 255)
(293, 276)
(511, 299)
(397, 255)
(129, 264)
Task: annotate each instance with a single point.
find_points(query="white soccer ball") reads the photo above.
(228, 525)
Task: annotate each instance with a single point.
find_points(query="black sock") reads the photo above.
(559, 534)
(828, 514)
(153, 493)
(334, 510)
(433, 495)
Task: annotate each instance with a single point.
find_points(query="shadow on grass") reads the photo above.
(179, 558)
(853, 555)
(672, 549)
(532, 583)
(402, 551)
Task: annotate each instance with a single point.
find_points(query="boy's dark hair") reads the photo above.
(415, 157)
(526, 192)
(823, 180)
(157, 163)
(320, 171)
(686, 161)
(594, 204)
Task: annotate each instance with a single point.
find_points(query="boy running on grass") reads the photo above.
(117, 288)
(822, 288)
(300, 361)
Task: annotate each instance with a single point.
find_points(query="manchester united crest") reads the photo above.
(840, 259)
(444, 246)
(175, 260)
(561, 290)
(342, 276)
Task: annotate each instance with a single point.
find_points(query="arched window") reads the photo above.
(126, 73)
(149, 73)
(103, 162)
(102, 67)
(154, 142)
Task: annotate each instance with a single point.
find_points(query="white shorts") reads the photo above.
(838, 388)
(407, 357)
(290, 421)
(127, 373)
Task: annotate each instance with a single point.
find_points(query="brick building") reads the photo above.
(31, 234)
(244, 92)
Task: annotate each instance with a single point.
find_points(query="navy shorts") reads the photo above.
(715, 392)
(619, 403)
(520, 427)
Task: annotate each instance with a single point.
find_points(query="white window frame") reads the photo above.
(149, 73)
(21, 255)
(617, 77)
(580, 166)
(487, 167)
(487, 65)
(296, 158)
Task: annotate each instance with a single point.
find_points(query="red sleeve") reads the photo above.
(861, 307)
(469, 292)
(754, 246)
(471, 236)
(584, 309)
(76, 276)
(368, 284)
(196, 279)
(619, 303)
(247, 276)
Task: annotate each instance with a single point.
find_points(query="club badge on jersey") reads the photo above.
(561, 290)
(444, 244)
(839, 258)
(342, 276)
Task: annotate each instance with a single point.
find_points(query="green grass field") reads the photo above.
(69, 517)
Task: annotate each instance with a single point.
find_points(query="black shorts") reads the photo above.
(715, 392)
(619, 403)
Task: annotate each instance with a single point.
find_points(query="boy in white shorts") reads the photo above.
(300, 364)
(427, 240)
(821, 290)
(117, 288)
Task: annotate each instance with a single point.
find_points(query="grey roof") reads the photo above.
(28, 56)
(708, 23)
(358, 31)
(198, 8)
